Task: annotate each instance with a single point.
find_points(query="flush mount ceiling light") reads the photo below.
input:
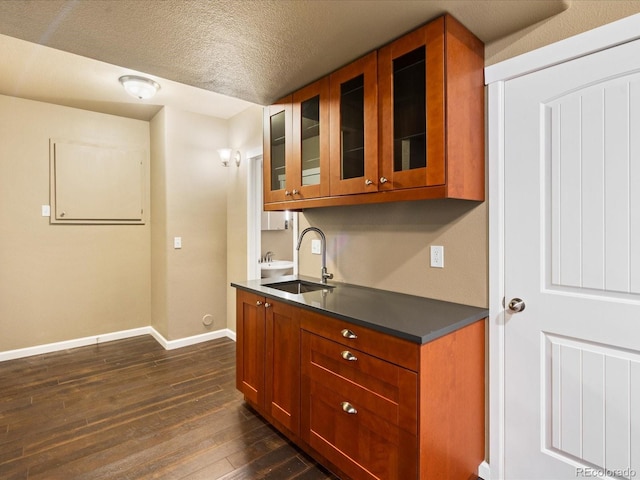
(139, 87)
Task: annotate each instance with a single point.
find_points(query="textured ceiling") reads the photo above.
(254, 50)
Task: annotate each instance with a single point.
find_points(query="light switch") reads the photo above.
(46, 211)
(177, 242)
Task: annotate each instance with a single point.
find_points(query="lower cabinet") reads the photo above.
(366, 404)
(268, 359)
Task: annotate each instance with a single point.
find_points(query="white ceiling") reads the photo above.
(215, 57)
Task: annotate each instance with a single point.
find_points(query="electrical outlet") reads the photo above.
(46, 211)
(316, 246)
(437, 256)
(177, 242)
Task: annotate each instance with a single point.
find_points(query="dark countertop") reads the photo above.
(417, 319)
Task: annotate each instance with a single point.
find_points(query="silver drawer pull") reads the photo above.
(347, 355)
(348, 408)
(346, 333)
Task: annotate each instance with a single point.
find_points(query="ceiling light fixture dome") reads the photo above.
(139, 87)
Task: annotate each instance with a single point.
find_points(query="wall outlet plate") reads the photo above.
(316, 246)
(437, 256)
(177, 242)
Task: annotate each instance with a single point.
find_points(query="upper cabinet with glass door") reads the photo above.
(405, 122)
(278, 142)
(354, 127)
(432, 111)
(309, 172)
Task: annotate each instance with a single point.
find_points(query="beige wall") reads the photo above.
(386, 246)
(60, 282)
(245, 134)
(159, 236)
(582, 15)
(190, 201)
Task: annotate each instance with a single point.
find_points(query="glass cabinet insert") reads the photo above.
(409, 114)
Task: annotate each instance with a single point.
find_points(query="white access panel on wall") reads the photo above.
(96, 183)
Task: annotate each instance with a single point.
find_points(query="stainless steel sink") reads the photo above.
(298, 286)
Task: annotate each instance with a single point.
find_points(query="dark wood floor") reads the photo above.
(130, 410)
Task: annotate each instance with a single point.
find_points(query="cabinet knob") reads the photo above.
(347, 355)
(348, 408)
(295, 192)
(346, 333)
(384, 179)
(368, 182)
(258, 303)
(267, 305)
(287, 193)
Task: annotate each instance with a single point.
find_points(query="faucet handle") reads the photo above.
(325, 275)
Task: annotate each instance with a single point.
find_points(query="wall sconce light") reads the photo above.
(225, 156)
(139, 87)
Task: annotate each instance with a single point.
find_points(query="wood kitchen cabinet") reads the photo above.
(432, 111)
(278, 142)
(268, 358)
(354, 127)
(309, 173)
(296, 145)
(406, 123)
(358, 410)
(366, 404)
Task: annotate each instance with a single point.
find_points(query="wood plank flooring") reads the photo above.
(130, 410)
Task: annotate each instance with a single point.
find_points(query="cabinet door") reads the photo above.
(277, 150)
(282, 375)
(412, 123)
(354, 127)
(250, 346)
(308, 176)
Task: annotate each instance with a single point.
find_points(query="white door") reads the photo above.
(572, 254)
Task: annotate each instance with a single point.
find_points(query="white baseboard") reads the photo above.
(484, 471)
(108, 337)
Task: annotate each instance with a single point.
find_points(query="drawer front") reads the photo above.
(386, 388)
(354, 436)
(387, 347)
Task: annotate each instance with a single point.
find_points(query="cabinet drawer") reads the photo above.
(392, 349)
(380, 386)
(362, 443)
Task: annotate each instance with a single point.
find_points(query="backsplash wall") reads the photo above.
(386, 246)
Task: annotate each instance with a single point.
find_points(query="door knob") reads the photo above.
(516, 305)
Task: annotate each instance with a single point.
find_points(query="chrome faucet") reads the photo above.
(323, 240)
